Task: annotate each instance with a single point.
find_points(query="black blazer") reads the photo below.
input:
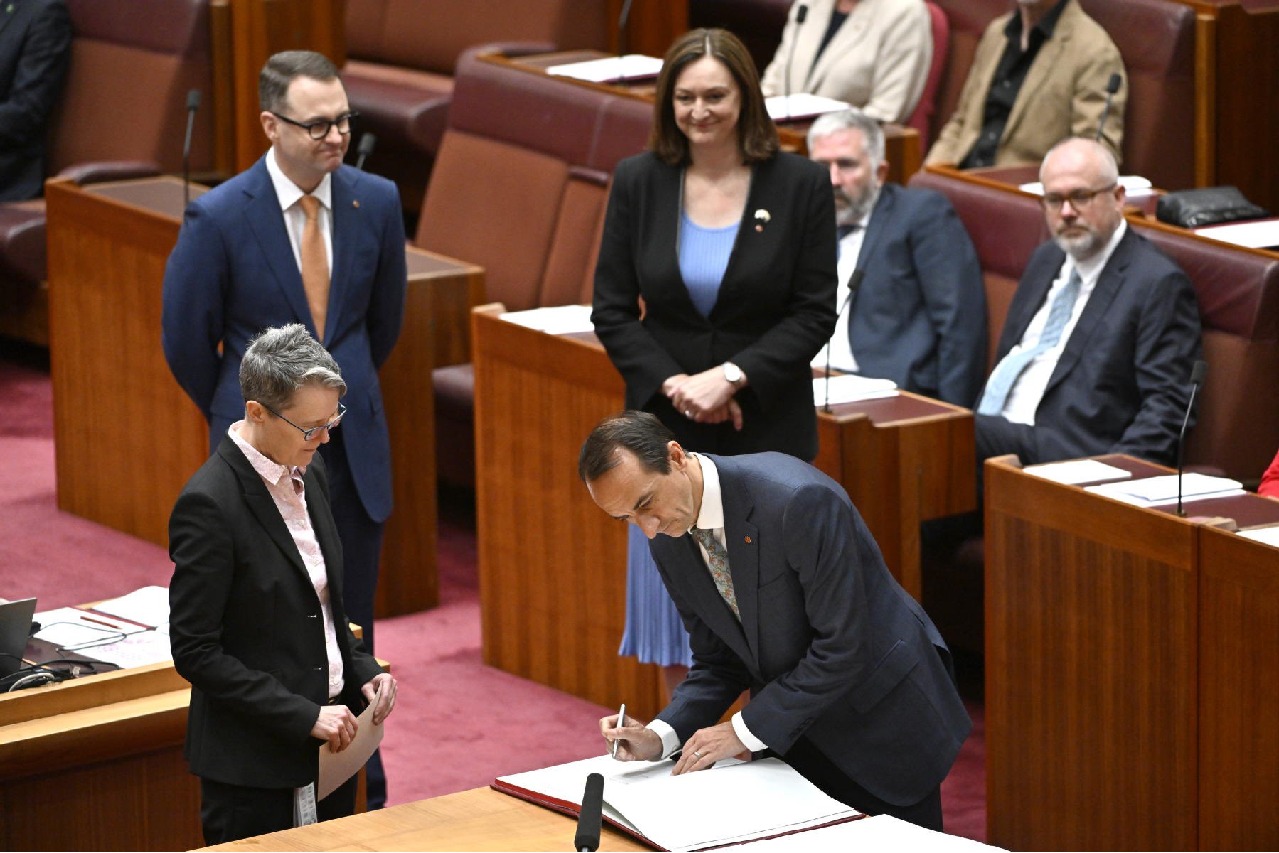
(35, 50)
(776, 305)
(830, 646)
(919, 318)
(1122, 383)
(246, 627)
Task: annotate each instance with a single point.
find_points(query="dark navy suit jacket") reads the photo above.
(1122, 383)
(830, 646)
(919, 317)
(233, 273)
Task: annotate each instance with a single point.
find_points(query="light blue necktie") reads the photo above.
(1004, 377)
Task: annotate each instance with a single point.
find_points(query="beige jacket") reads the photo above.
(877, 61)
(1063, 95)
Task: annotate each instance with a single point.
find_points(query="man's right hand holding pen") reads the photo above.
(634, 741)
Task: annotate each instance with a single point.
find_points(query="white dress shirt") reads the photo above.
(294, 217)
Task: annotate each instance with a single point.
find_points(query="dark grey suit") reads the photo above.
(35, 50)
(832, 649)
(1122, 382)
(919, 318)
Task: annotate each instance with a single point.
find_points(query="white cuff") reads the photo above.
(670, 740)
(748, 740)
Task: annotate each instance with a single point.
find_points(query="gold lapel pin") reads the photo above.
(356, 204)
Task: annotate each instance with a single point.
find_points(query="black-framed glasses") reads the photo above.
(1078, 199)
(320, 128)
(308, 434)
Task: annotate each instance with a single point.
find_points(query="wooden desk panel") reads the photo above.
(113, 393)
(553, 567)
(96, 764)
(1239, 692)
(1091, 670)
(478, 819)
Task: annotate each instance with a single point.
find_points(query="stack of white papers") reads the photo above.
(849, 388)
(147, 606)
(1266, 535)
(801, 106)
(632, 66)
(1078, 471)
(554, 320)
(730, 803)
(1158, 491)
(1259, 234)
(1134, 185)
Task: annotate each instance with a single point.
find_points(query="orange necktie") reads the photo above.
(315, 264)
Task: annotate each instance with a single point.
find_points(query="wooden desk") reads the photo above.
(1126, 680)
(901, 144)
(479, 819)
(126, 437)
(96, 764)
(553, 567)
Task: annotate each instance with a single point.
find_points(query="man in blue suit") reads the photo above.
(784, 593)
(299, 237)
(1101, 335)
(919, 317)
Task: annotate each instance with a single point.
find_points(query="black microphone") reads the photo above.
(365, 148)
(588, 820)
(854, 282)
(193, 104)
(1112, 86)
(801, 15)
(623, 36)
(1196, 379)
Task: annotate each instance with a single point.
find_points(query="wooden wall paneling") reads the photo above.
(654, 24)
(1091, 670)
(1239, 691)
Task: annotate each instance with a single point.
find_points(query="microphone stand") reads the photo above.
(854, 282)
(801, 14)
(193, 104)
(1112, 86)
(1196, 379)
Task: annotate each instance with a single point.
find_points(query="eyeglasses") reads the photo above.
(1078, 199)
(308, 434)
(320, 128)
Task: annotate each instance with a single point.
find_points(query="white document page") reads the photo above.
(1078, 471)
(1265, 535)
(801, 106)
(147, 606)
(70, 628)
(849, 388)
(554, 320)
(139, 649)
(881, 832)
(1258, 234)
(632, 66)
(732, 801)
(1157, 491)
(337, 767)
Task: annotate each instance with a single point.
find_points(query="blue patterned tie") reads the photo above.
(717, 562)
(1005, 374)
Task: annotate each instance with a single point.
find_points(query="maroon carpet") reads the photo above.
(459, 723)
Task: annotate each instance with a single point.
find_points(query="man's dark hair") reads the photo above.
(756, 133)
(285, 67)
(639, 432)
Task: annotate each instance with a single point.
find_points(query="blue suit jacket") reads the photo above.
(1122, 382)
(233, 274)
(919, 318)
(829, 645)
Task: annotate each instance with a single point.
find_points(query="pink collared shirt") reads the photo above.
(288, 492)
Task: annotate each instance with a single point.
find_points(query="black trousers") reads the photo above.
(361, 551)
(822, 772)
(232, 812)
